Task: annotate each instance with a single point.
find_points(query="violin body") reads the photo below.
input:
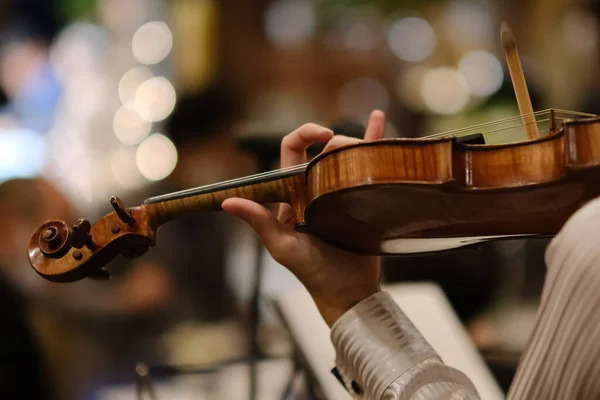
(393, 196)
(417, 195)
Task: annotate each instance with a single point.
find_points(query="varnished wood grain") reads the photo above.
(415, 161)
(583, 143)
(113, 237)
(108, 245)
(480, 167)
(521, 189)
(275, 191)
(365, 196)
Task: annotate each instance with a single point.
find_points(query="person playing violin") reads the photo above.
(380, 353)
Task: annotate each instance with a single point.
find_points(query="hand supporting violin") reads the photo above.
(346, 286)
(336, 279)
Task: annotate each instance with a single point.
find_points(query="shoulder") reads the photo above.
(578, 242)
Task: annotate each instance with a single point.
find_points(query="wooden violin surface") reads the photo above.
(411, 196)
(384, 197)
(395, 196)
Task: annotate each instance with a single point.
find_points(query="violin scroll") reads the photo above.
(53, 238)
(61, 253)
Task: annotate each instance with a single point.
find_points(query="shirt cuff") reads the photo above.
(376, 343)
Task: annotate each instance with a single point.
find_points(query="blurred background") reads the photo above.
(142, 97)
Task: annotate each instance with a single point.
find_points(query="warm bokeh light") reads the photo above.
(84, 97)
(412, 39)
(470, 23)
(444, 91)
(123, 166)
(130, 83)
(408, 86)
(580, 31)
(156, 157)
(290, 23)
(129, 127)
(357, 32)
(78, 49)
(152, 42)
(482, 72)
(360, 96)
(155, 99)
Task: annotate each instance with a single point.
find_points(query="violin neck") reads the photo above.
(280, 186)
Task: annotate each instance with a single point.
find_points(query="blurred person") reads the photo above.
(22, 371)
(76, 334)
(106, 328)
(194, 248)
(26, 77)
(203, 323)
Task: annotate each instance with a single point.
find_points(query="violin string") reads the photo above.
(510, 119)
(302, 167)
(578, 113)
(485, 124)
(512, 127)
(262, 177)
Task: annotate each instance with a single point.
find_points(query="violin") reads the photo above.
(391, 196)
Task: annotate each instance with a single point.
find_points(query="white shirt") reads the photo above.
(382, 356)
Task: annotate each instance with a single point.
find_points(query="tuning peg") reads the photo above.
(81, 234)
(123, 213)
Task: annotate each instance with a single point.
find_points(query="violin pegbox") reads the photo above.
(61, 253)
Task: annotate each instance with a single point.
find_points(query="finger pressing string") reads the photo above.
(339, 141)
(294, 145)
(376, 128)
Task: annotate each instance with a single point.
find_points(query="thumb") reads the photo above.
(258, 217)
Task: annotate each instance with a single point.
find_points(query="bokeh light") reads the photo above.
(155, 99)
(152, 42)
(290, 23)
(360, 96)
(84, 97)
(580, 31)
(408, 86)
(156, 157)
(482, 71)
(125, 172)
(357, 31)
(130, 83)
(78, 50)
(129, 127)
(470, 23)
(22, 153)
(444, 91)
(412, 39)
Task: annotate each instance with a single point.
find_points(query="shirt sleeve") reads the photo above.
(382, 356)
(561, 358)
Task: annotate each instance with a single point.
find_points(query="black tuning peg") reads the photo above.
(81, 234)
(123, 213)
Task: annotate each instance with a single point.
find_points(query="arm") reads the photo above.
(381, 355)
(378, 347)
(561, 359)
